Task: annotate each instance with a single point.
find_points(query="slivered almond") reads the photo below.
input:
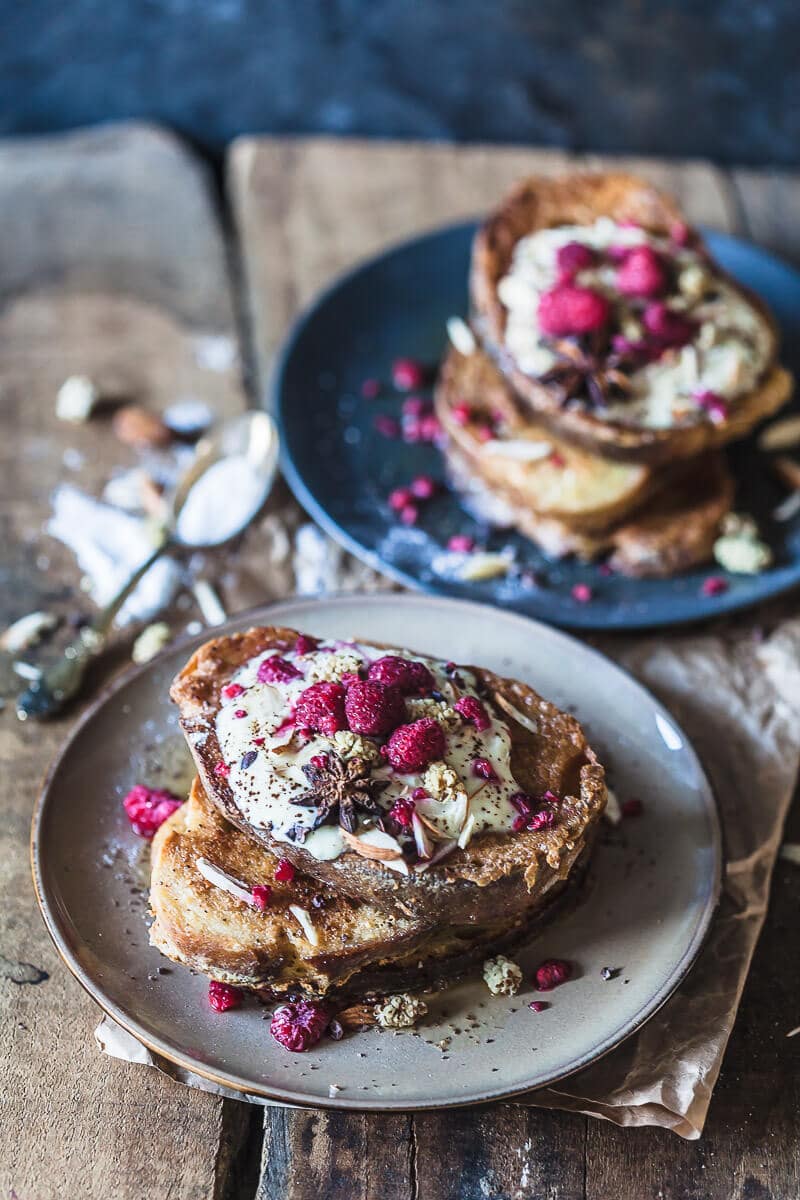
(518, 716)
(383, 848)
(781, 435)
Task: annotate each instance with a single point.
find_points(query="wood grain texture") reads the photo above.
(306, 210)
(111, 263)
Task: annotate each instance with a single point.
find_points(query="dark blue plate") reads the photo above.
(341, 469)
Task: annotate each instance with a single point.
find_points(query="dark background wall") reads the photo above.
(698, 77)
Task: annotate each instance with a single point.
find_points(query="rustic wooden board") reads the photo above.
(306, 210)
(111, 262)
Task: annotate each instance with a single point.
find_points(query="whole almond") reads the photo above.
(137, 426)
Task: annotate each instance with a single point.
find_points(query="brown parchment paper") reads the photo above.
(736, 692)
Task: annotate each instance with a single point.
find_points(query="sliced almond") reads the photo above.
(518, 716)
(781, 435)
(374, 844)
(461, 336)
(225, 882)
(423, 841)
(443, 850)
(138, 427)
(303, 917)
(467, 831)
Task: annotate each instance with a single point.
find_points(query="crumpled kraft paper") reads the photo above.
(737, 695)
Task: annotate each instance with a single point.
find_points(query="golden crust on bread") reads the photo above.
(361, 948)
(538, 203)
(496, 874)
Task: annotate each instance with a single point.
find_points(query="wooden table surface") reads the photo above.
(117, 253)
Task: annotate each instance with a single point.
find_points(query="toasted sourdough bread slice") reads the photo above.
(539, 203)
(358, 949)
(496, 875)
(665, 525)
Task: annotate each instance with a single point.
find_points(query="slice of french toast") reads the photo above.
(446, 792)
(613, 324)
(306, 940)
(650, 522)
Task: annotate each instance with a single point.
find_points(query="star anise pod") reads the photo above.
(343, 785)
(587, 372)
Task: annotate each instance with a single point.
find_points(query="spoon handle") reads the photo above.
(48, 695)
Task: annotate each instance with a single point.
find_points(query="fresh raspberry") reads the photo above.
(572, 310)
(642, 273)
(320, 708)
(423, 487)
(668, 327)
(232, 690)
(461, 543)
(412, 747)
(715, 405)
(386, 426)
(370, 388)
(402, 811)
(284, 872)
(574, 257)
(410, 677)
(277, 670)
(551, 973)
(299, 1026)
(148, 808)
(473, 712)
(483, 769)
(632, 807)
(407, 374)
(224, 996)
(715, 585)
(262, 895)
(305, 644)
(374, 709)
(582, 593)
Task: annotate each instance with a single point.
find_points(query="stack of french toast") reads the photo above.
(365, 820)
(607, 362)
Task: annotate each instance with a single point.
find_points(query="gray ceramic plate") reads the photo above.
(652, 893)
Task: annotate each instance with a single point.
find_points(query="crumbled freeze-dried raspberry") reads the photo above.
(373, 708)
(484, 433)
(407, 374)
(224, 996)
(320, 708)
(523, 803)
(542, 820)
(582, 593)
(386, 426)
(557, 460)
(423, 487)
(642, 273)
(409, 515)
(284, 872)
(473, 712)
(299, 1026)
(148, 808)
(402, 811)
(574, 257)
(537, 1006)
(483, 769)
(399, 498)
(715, 405)
(461, 543)
(232, 690)
(403, 673)
(462, 413)
(668, 327)
(551, 973)
(277, 670)
(715, 585)
(262, 895)
(370, 388)
(681, 233)
(412, 747)
(519, 823)
(416, 406)
(320, 761)
(569, 310)
(305, 644)
(222, 769)
(239, 713)
(419, 793)
(422, 429)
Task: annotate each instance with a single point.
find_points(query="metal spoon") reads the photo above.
(253, 437)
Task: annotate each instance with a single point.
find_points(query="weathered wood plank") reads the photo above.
(111, 262)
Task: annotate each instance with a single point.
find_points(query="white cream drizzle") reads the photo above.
(265, 788)
(728, 356)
